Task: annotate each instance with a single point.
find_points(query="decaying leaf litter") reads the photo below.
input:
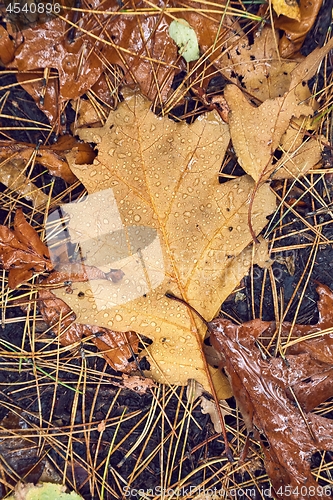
(288, 137)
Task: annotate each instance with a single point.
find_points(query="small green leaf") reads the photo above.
(43, 491)
(185, 38)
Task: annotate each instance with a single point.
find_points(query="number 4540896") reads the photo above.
(33, 8)
(305, 491)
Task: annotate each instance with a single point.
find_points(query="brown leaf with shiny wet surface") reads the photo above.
(138, 45)
(22, 252)
(266, 390)
(7, 48)
(48, 46)
(52, 157)
(80, 62)
(295, 30)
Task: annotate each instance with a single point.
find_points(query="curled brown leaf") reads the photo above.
(265, 390)
(22, 252)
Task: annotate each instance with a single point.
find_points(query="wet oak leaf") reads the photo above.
(22, 252)
(256, 132)
(140, 45)
(262, 388)
(164, 180)
(7, 48)
(47, 46)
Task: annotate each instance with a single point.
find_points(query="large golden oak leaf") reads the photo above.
(188, 229)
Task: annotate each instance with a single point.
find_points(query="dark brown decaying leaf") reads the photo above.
(117, 347)
(22, 252)
(19, 450)
(263, 390)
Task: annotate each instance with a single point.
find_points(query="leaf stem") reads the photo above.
(210, 327)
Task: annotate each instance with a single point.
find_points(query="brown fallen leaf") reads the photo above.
(138, 45)
(63, 146)
(256, 132)
(22, 252)
(19, 449)
(157, 212)
(263, 390)
(52, 157)
(257, 67)
(7, 48)
(295, 30)
(48, 46)
(117, 347)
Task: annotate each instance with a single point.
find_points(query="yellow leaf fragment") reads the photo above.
(209, 406)
(256, 132)
(300, 161)
(288, 8)
(162, 217)
(41, 491)
(220, 382)
(12, 175)
(86, 113)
